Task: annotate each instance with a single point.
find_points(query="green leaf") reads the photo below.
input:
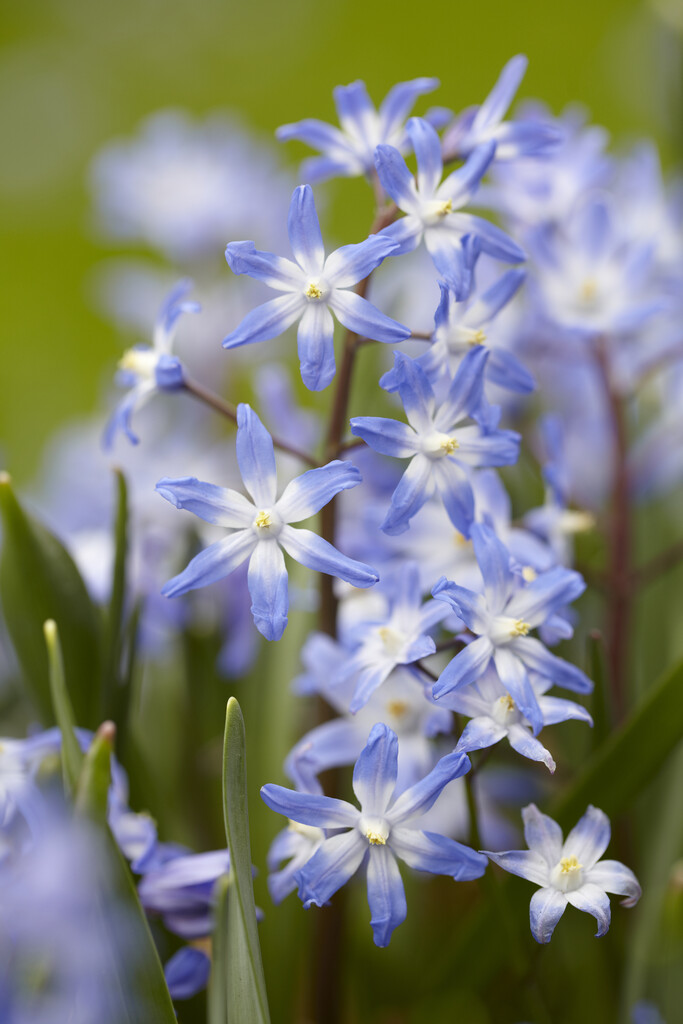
(95, 778)
(247, 1002)
(39, 581)
(113, 638)
(72, 755)
(631, 756)
(218, 982)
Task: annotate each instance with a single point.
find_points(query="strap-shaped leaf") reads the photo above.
(218, 982)
(72, 755)
(113, 631)
(247, 1002)
(39, 581)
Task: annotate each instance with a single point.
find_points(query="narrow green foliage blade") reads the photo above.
(247, 1000)
(113, 639)
(93, 783)
(218, 981)
(39, 581)
(72, 755)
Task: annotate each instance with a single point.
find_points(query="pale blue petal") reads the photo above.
(542, 834)
(465, 392)
(448, 254)
(465, 668)
(214, 504)
(549, 592)
(330, 867)
(453, 485)
(267, 581)
(496, 104)
(310, 808)
(493, 559)
(361, 317)
(537, 658)
(318, 134)
(612, 876)
(546, 908)
(593, 901)
(414, 488)
(369, 678)
(308, 493)
(479, 733)
(505, 370)
(400, 100)
(395, 178)
(488, 305)
(468, 605)
(420, 797)
(491, 239)
(406, 233)
(376, 771)
(303, 228)
(417, 394)
(320, 168)
(429, 851)
(386, 895)
(329, 745)
(187, 972)
(525, 863)
(388, 437)
(524, 743)
(514, 678)
(589, 839)
(275, 271)
(267, 321)
(427, 148)
(255, 457)
(317, 554)
(315, 344)
(555, 709)
(479, 448)
(355, 110)
(352, 263)
(212, 564)
(461, 185)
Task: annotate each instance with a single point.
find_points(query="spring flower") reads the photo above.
(146, 369)
(313, 286)
(350, 151)
(259, 528)
(437, 446)
(432, 206)
(501, 619)
(383, 829)
(569, 872)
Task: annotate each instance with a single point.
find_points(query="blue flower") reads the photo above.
(569, 872)
(146, 369)
(312, 286)
(479, 125)
(259, 528)
(501, 619)
(181, 889)
(351, 150)
(438, 448)
(382, 830)
(432, 205)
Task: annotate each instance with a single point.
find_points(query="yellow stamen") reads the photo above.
(568, 865)
(589, 290)
(529, 574)
(263, 520)
(507, 702)
(445, 208)
(376, 839)
(520, 628)
(478, 338)
(313, 291)
(397, 708)
(449, 445)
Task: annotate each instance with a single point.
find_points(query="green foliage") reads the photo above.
(72, 755)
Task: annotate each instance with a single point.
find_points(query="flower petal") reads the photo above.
(468, 605)
(594, 901)
(414, 488)
(589, 839)
(310, 808)
(420, 797)
(399, 102)
(525, 863)
(255, 457)
(546, 908)
(514, 678)
(427, 148)
(214, 504)
(376, 771)
(267, 581)
(187, 972)
(524, 743)
(465, 392)
(493, 559)
(330, 867)
(303, 228)
(315, 344)
(388, 437)
(491, 239)
(479, 733)
(495, 106)
(308, 493)
(453, 485)
(352, 263)
(542, 834)
(396, 179)
(315, 553)
(360, 316)
(429, 851)
(613, 876)
(267, 321)
(537, 658)
(461, 185)
(275, 271)
(549, 592)
(212, 564)
(465, 668)
(386, 895)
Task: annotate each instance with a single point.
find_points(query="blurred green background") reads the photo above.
(75, 73)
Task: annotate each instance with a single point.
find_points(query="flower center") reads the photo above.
(529, 574)
(505, 711)
(568, 874)
(519, 628)
(141, 361)
(375, 830)
(392, 640)
(313, 291)
(263, 520)
(444, 209)
(588, 292)
(398, 708)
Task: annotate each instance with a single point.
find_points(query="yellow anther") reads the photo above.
(520, 628)
(507, 702)
(589, 290)
(477, 338)
(569, 865)
(460, 540)
(448, 445)
(445, 208)
(263, 520)
(398, 708)
(376, 839)
(313, 291)
(529, 574)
